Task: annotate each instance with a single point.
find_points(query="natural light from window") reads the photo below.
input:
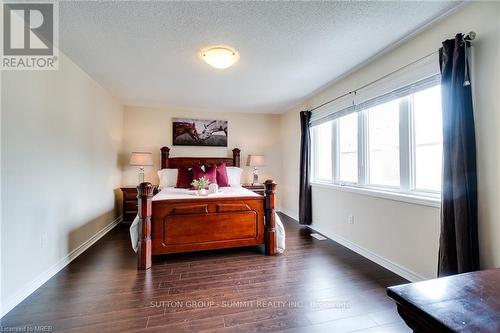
(383, 143)
(323, 143)
(428, 139)
(348, 148)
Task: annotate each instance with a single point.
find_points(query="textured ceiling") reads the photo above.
(145, 53)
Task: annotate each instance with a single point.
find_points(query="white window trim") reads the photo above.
(419, 198)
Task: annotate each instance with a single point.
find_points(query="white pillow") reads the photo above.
(168, 178)
(234, 176)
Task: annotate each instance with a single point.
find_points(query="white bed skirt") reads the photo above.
(280, 234)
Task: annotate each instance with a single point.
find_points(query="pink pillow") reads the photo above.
(222, 177)
(210, 173)
(184, 177)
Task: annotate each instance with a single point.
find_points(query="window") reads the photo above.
(383, 144)
(348, 148)
(395, 145)
(428, 139)
(322, 143)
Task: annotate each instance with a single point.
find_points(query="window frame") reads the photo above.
(407, 157)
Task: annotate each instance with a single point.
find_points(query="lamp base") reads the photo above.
(255, 177)
(141, 175)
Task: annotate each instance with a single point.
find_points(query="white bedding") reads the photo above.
(234, 191)
(182, 193)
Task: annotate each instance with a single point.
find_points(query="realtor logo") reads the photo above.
(29, 36)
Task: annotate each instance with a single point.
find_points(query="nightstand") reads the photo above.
(259, 188)
(129, 203)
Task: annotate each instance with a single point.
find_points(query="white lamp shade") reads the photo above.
(256, 160)
(141, 159)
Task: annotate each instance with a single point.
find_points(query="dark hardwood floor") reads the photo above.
(316, 286)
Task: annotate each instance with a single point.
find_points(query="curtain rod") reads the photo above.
(470, 36)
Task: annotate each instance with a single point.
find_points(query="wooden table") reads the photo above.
(462, 303)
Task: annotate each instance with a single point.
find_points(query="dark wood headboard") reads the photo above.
(174, 162)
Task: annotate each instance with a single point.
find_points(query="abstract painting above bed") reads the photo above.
(199, 132)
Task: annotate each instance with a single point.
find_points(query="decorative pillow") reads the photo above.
(234, 176)
(168, 178)
(184, 177)
(222, 178)
(210, 173)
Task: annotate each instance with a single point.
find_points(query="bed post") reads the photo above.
(270, 233)
(144, 194)
(236, 157)
(165, 152)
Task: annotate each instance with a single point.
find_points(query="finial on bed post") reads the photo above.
(145, 192)
(236, 157)
(165, 153)
(270, 202)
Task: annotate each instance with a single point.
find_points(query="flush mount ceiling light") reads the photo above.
(220, 57)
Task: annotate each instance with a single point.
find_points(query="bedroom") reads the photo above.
(125, 71)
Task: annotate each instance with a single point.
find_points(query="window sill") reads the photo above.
(379, 193)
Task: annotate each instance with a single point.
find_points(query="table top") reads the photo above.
(467, 302)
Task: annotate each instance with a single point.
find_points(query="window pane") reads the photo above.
(428, 138)
(348, 148)
(323, 151)
(383, 144)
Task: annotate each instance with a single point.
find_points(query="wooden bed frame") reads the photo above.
(185, 225)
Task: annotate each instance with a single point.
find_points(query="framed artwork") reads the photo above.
(199, 132)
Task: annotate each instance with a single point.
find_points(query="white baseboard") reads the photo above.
(289, 213)
(384, 262)
(36, 283)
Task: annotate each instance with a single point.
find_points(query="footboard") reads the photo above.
(172, 226)
(205, 224)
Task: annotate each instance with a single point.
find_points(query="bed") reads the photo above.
(175, 221)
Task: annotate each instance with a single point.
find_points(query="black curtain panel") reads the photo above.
(458, 243)
(305, 209)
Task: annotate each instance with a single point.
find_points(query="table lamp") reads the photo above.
(141, 159)
(255, 161)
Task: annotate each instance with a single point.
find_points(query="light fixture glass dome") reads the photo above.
(220, 57)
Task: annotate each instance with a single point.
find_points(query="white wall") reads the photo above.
(60, 138)
(290, 152)
(403, 234)
(148, 129)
